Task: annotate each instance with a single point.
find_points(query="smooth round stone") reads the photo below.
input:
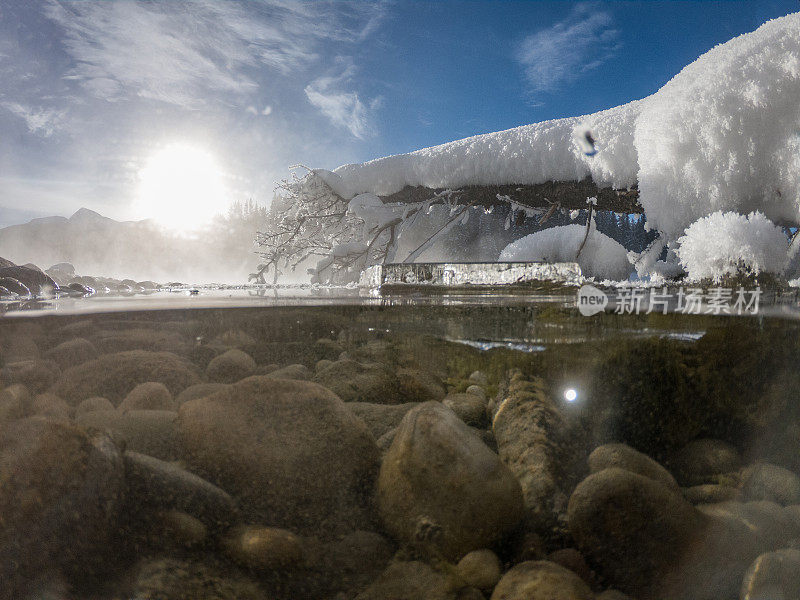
(148, 396)
(700, 460)
(265, 548)
(470, 408)
(480, 569)
(92, 405)
(201, 390)
(541, 580)
(710, 493)
(623, 456)
(297, 371)
(764, 481)
(477, 391)
(479, 378)
(182, 528)
(230, 367)
(773, 576)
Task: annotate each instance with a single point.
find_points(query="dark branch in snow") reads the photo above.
(571, 194)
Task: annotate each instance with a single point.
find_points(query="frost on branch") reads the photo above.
(309, 219)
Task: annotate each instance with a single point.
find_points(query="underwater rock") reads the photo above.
(264, 548)
(230, 367)
(358, 382)
(571, 559)
(59, 498)
(357, 559)
(152, 340)
(541, 580)
(113, 376)
(437, 470)
(50, 405)
(72, 352)
(480, 569)
(764, 481)
(767, 520)
(710, 493)
(478, 391)
(14, 401)
(150, 395)
(182, 528)
(297, 371)
(701, 460)
(417, 385)
(380, 418)
(326, 349)
(153, 432)
(624, 457)
(630, 525)
(470, 408)
(612, 594)
(200, 390)
(36, 374)
(176, 579)
(479, 378)
(530, 433)
(773, 575)
(411, 580)
(91, 405)
(650, 543)
(290, 451)
(165, 486)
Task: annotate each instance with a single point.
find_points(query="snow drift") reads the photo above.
(725, 242)
(722, 135)
(601, 257)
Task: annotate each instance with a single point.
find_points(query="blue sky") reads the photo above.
(92, 90)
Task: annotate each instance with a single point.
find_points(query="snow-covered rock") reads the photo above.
(601, 257)
(725, 242)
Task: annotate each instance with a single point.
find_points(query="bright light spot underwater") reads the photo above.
(570, 395)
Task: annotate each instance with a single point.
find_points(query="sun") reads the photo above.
(181, 187)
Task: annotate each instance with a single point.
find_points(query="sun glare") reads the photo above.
(181, 187)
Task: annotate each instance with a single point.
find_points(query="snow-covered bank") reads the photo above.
(722, 135)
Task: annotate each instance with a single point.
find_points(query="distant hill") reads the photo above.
(139, 250)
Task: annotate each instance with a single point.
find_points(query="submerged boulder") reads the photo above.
(113, 376)
(72, 352)
(230, 367)
(541, 580)
(624, 457)
(360, 382)
(438, 471)
(60, 491)
(290, 451)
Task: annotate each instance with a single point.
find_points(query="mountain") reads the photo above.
(139, 250)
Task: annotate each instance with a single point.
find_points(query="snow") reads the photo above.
(723, 242)
(722, 135)
(601, 257)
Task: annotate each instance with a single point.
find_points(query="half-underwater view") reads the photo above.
(399, 300)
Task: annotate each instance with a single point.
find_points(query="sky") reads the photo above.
(140, 108)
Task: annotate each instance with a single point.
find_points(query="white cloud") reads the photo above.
(40, 121)
(182, 52)
(342, 107)
(563, 52)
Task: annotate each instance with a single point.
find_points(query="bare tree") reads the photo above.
(309, 219)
